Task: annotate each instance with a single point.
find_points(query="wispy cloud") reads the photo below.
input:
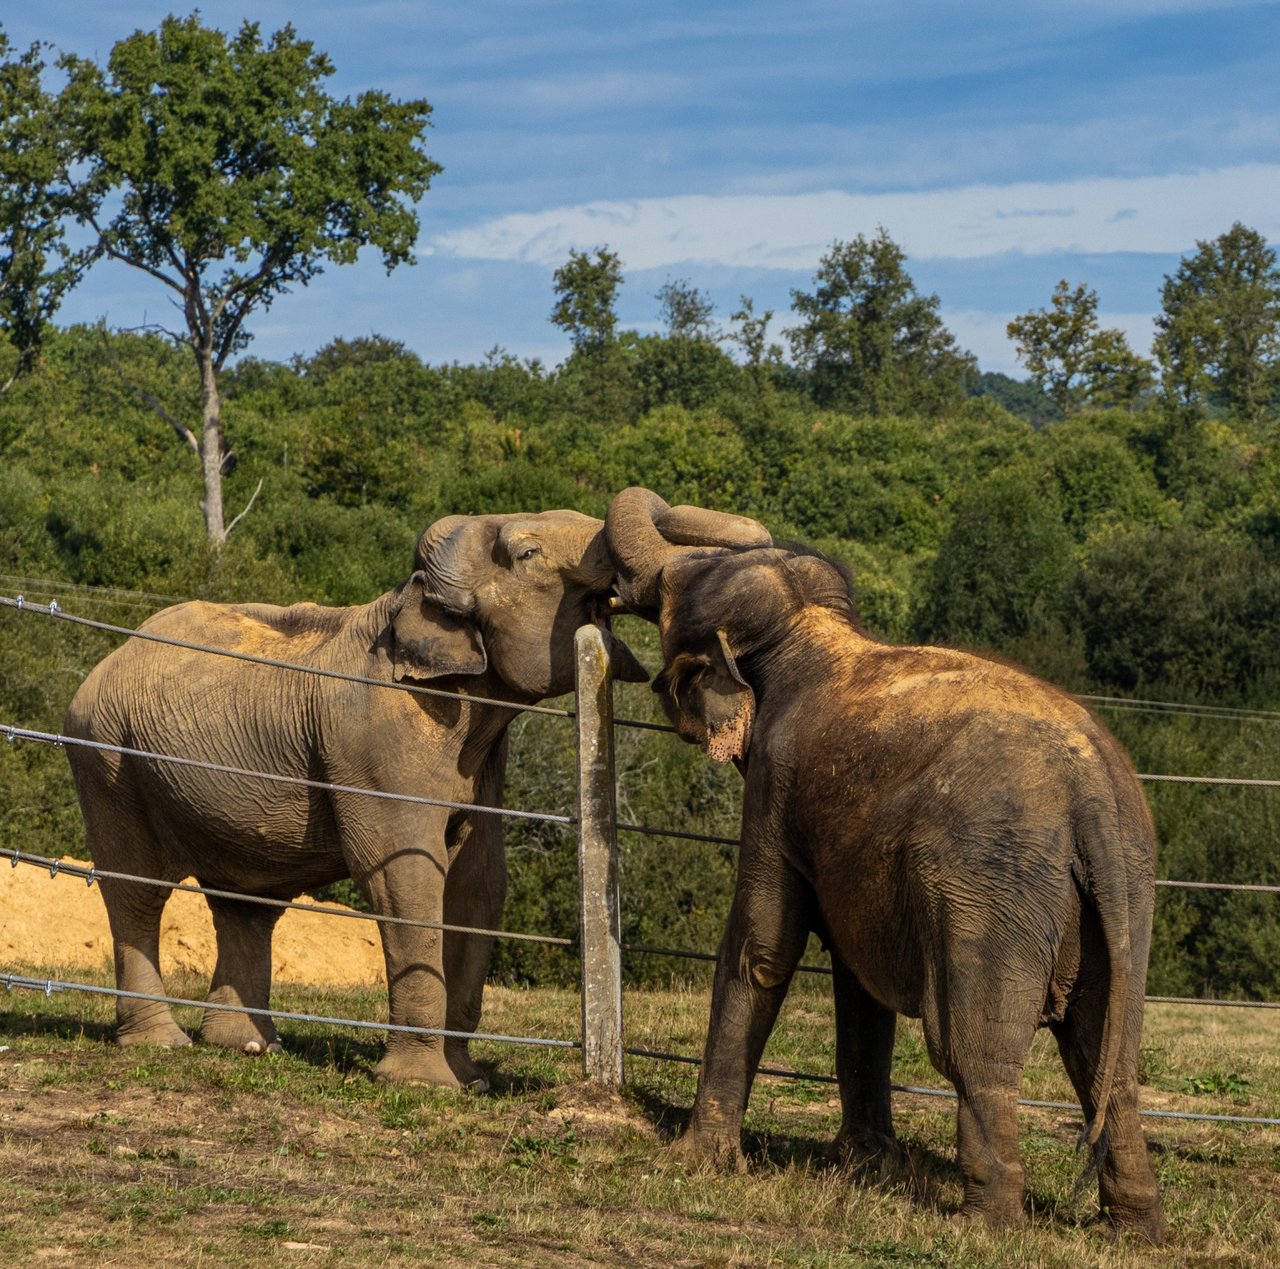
(1155, 214)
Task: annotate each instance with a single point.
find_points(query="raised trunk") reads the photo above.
(643, 533)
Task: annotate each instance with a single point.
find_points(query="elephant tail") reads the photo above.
(1103, 876)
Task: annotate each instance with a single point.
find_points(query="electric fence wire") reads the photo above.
(48, 986)
(53, 610)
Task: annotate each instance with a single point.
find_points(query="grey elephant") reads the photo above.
(970, 842)
(489, 611)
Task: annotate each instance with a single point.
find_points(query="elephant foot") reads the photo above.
(1143, 1222)
(465, 1070)
(1002, 1210)
(240, 1032)
(874, 1155)
(416, 1066)
(708, 1149)
(159, 1033)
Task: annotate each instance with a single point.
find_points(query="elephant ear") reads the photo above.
(710, 701)
(430, 642)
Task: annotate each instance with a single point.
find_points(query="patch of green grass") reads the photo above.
(201, 1151)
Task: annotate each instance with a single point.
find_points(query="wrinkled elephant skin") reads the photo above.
(490, 611)
(969, 841)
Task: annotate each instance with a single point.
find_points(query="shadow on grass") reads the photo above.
(917, 1171)
(18, 1025)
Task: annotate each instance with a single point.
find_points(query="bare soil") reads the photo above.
(60, 921)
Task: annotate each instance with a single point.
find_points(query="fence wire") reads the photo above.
(50, 985)
(90, 874)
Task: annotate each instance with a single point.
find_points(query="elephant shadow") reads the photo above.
(927, 1178)
(351, 1056)
(56, 1026)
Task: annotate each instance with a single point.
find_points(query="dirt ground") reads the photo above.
(60, 921)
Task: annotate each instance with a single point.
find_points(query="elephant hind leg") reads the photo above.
(978, 1035)
(864, 1055)
(242, 976)
(133, 912)
(1128, 1194)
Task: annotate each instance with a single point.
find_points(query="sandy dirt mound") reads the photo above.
(61, 921)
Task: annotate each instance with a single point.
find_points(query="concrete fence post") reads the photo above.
(600, 927)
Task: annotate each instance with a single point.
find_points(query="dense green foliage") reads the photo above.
(1127, 553)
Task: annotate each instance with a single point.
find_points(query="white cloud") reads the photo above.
(1163, 214)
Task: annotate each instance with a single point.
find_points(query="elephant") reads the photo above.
(970, 843)
(489, 612)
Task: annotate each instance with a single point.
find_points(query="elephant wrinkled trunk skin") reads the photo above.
(489, 611)
(970, 842)
(643, 533)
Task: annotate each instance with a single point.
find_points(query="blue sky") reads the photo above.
(1003, 145)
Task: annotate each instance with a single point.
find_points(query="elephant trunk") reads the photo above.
(644, 534)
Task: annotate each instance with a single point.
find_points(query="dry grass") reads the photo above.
(143, 1157)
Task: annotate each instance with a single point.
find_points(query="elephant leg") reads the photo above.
(761, 947)
(120, 840)
(978, 1027)
(133, 912)
(864, 1057)
(242, 976)
(410, 884)
(1128, 1194)
(474, 893)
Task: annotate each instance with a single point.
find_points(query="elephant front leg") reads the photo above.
(410, 885)
(474, 893)
(241, 977)
(758, 955)
(864, 1058)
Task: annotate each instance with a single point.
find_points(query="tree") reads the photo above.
(999, 577)
(586, 291)
(870, 342)
(36, 265)
(1073, 361)
(219, 167)
(751, 334)
(686, 312)
(1218, 332)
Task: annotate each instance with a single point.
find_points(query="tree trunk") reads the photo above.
(211, 451)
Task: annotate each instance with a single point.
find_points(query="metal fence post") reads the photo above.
(600, 927)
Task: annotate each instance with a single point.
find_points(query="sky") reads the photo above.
(1003, 146)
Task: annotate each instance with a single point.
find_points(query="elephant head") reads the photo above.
(505, 593)
(716, 609)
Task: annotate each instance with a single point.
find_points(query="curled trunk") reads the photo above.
(644, 533)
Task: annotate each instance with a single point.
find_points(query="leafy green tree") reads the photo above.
(36, 266)
(751, 333)
(586, 295)
(220, 168)
(1000, 575)
(1101, 481)
(686, 312)
(1074, 362)
(870, 342)
(1218, 332)
(1021, 397)
(1180, 611)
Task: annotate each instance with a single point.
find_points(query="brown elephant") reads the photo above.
(490, 611)
(969, 841)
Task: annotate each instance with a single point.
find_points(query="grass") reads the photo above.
(202, 1156)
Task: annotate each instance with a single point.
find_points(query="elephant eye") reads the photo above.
(529, 552)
